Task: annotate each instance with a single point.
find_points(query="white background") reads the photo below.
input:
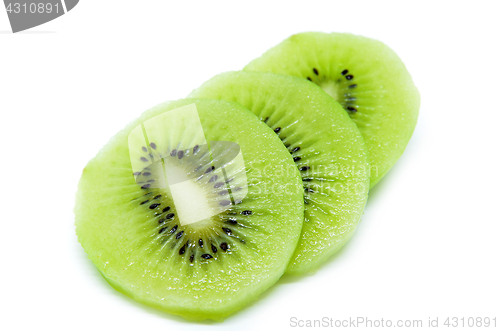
(428, 244)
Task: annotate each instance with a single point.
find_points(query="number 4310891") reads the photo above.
(32, 8)
(471, 322)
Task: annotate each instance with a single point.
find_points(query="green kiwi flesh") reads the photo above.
(128, 224)
(326, 146)
(365, 76)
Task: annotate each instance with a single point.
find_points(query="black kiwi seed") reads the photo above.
(309, 79)
(143, 159)
(144, 149)
(206, 256)
(137, 173)
(151, 181)
(179, 235)
(183, 249)
(277, 130)
(153, 145)
(315, 71)
(225, 203)
(213, 178)
(246, 212)
(180, 154)
(307, 189)
(304, 168)
(151, 156)
(162, 230)
(157, 197)
(349, 77)
(145, 186)
(166, 209)
(218, 185)
(223, 246)
(173, 229)
(296, 149)
(146, 174)
(223, 192)
(214, 249)
(170, 216)
(344, 72)
(200, 242)
(227, 231)
(352, 109)
(306, 179)
(297, 158)
(353, 86)
(196, 149)
(210, 169)
(267, 118)
(191, 258)
(161, 220)
(173, 153)
(232, 221)
(146, 201)
(154, 205)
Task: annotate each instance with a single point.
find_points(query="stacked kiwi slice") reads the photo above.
(201, 204)
(365, 76)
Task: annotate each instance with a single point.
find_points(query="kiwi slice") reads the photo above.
(326, 146)
(194, 208)
(365, 76)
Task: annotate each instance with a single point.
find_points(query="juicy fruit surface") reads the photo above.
(327, 149)
(365, 76)
(205, 270)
